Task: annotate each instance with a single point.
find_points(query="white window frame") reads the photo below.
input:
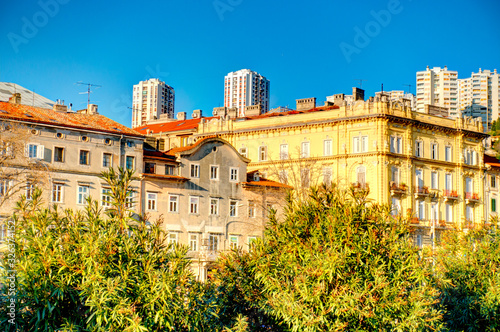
(233, 241)
(395, 206)
(327, 175)
(214, 172)
(493, 181)
(59, 189)
(234, 174)
(173, 203)
(173, 238)
(448, 153)
(360, 143)
(421, 209)
(151, 201)
(434, 150)
(327, 147)
(396, 144)
(213, 242)
(419, 148)
(194, 205)
(193, 242)
(38, 154)
(233, 208)
(194, 171)
(214, 206)
(5, 186)
(105, 198)
(305, 149)
(82, 195)
(434, 180)
(250, 240)
(243, 151)
(283, 151)
(448, 212)
(129, 200)
(263, 153)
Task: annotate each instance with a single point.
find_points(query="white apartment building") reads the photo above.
(245, 88)
(439, 87)
(480, 92)
(150, 100)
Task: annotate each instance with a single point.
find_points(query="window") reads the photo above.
(493, 181)
(448, 184)
(233, 241)
(193, 242)
(283, 176)
(421, 209)
(233, 208)
(195, 171)
(468, 187)
(434, 151)
(361, 175)
(305, 177)
(419, 149)
(493, 205)
(251, 209)
(418, 240)
(360, 144)
(106, 160)
(233, 174)
(251, 240)
(395, 175)
(106, 197)
(469, 213)
(434, 180)
(262, 153)
(84, 157)
(6, 149)
(35, 151)
(214, 206)
(470, 156)
(129, 200)
(243, 151)
(396, 206)
(173, 203)
(57, 191)
(150, 168)
(214, 172)
(213, 242)
(396, 144)
(172, 238)
(130, 162)
(194, 202)
(169, 170)
(304, 150)
(83, 194)
(447, 153)
(327, 147)
(327, 175)
(283, 151)
(4, 187)
(58, 154)
(419, 176)
(449, 212)
(151, 201)
(434, 211)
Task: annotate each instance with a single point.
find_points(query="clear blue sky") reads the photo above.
(306, 49)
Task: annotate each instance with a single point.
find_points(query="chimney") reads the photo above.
(15, 99)
(253, 110)
(60, 107)
(358, 94)
(181, 116)
(92, 109)
(305, 104)
(197, 114)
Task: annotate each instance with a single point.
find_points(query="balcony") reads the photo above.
(421, 192)
(360, 186)
(450, 195)
(471, 198)
(397, 189)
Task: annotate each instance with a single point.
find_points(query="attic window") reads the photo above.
(59, 135)
(85, 138)
(28, 115)
(117, 129)
(3, 111)
(107, 141)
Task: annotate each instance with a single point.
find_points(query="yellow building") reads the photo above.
(424, 164)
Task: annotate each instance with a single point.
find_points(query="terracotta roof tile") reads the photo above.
(163, 127)
(40, 115)
(263, 182)
(189, 147)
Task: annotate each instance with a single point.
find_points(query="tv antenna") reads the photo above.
(89, 85)
(360, 82)
(409, 87)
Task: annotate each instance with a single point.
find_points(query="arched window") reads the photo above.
(361, 175)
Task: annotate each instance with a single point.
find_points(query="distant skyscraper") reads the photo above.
(438, 87)
(479, 95)
(150, 99)
(244, 88)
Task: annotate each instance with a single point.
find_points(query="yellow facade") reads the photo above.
(422, 164)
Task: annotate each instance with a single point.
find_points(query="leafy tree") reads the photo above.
(467, 273)
(335, 263)
(82, 271)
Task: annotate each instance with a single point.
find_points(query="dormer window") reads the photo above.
(256, 176)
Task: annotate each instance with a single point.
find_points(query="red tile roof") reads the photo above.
(263, 182)
(492, 161)
(163, 127)
(75, 120)
(165, 177)
(149, 154)
(189, 147)
(292, 112)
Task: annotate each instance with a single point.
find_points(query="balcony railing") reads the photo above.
(360, 186)
(421, 191)
(450, 195)
(397, 188)
(471, 197)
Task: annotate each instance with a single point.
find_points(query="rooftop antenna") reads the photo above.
(409, 87)
(382, 87)
(360, 82)
(88, 90)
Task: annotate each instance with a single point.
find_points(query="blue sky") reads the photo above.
(309, 49)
